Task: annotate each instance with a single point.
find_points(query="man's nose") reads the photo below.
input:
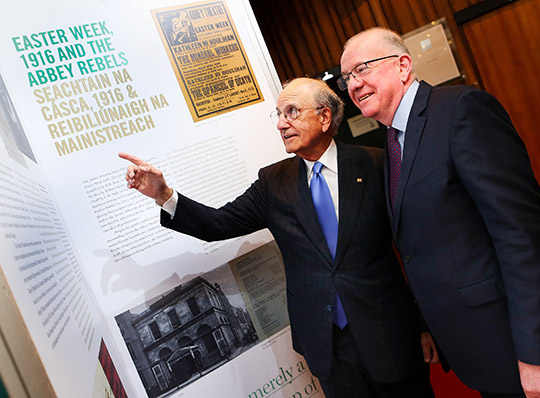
(282, 122)
(354, 83)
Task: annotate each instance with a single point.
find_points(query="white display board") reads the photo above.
(115, 304)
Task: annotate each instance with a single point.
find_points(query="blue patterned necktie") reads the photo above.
(394, 162)
(324, 207)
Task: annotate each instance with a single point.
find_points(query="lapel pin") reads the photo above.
(358, 180)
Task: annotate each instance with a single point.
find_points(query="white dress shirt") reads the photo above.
(403, 111)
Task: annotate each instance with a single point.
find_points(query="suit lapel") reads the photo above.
(351, 189)
(298, 194)
(413, 135)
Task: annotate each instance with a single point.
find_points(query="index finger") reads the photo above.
(132, 158)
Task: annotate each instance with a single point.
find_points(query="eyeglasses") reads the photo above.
(290, 114)
(359, 71)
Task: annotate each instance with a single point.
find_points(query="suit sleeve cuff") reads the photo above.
(170, 205)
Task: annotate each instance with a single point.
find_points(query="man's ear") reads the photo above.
(325, 116)
(405, 67)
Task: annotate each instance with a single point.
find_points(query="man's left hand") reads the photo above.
(428, 348)
(530, 379)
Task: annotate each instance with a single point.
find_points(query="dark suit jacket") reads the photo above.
(365, 272)
(467, 224)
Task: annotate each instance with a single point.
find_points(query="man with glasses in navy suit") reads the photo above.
(464, 207)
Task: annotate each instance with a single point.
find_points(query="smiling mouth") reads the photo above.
(364, 97)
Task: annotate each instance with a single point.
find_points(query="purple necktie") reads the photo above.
(394, 162)
(326, 213)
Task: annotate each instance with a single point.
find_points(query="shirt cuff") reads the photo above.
(170, 205)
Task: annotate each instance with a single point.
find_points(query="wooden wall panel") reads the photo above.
(330, 33)
(458, 5)
(419, 13)
(376, 10)
(308, 40)
(306, 37)
(403, 18)
(428, 9)
(509, 63)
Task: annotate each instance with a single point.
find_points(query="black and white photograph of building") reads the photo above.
(187, 332)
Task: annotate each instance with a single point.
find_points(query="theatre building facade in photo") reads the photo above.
(185, 334)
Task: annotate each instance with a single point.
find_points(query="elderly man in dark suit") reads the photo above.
(465, 212)
(350, 311)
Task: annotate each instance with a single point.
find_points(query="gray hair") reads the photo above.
(324, 96)
(389, 38)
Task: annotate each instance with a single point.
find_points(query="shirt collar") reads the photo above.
(404, 109)
(328, 159)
